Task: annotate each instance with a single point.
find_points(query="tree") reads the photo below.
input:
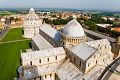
(60, 21)
(91, 25)
(47, 21)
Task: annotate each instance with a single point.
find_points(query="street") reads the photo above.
(2, 32)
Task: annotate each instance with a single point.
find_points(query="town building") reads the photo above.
(116, 47)
(2, 24)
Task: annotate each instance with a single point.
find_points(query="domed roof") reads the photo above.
(74, 16)
(31, 16)
(28, 75)
(118, 40)
(73, 29)
(20, 69)
(31, 11)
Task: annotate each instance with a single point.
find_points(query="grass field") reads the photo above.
(13, 34)
(10, 58)
(10, 53)
(7, 13)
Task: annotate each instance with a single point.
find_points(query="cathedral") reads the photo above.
(62, 55)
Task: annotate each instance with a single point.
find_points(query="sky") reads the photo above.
(74, 4)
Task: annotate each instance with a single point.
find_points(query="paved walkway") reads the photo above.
(3, 33)
(14, 41)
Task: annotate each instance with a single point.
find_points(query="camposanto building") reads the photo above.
(65, 55)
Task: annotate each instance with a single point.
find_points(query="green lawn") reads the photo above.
(10, 58)
(10, 53)
(13, 34)
(7, 13)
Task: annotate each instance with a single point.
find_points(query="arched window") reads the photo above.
(45, 76)
(96, 62)
(80, 63)
(103, 60)
(88, 64)
(39, 60)
(48, 59)
(50, 75)
(40, 77)
(55, 57)
(30, 62)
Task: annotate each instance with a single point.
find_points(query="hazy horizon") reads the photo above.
(71, 4)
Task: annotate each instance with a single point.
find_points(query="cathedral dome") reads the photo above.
(73, 29)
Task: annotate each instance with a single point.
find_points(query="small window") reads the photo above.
(48, 59)
(99, 45)
(80, 63)
(40, 77)
(50, 75)
(74, 59)
(88, 64)
(94, 56)
(30, 62)
(96, 62)
(39, 60)
(45, 76)
(105, 46)
(56, 58)
(103, 60)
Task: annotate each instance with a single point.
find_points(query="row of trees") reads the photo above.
(56, 22)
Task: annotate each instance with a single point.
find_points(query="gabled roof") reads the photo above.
(68, 71)
(95, 43)
(41, 42)
(42, 70)
(83, 51)
(53, 33)
(99, 35)
(100, 45)
(42, 53)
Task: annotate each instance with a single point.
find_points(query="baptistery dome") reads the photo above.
(31, 16)
(73, 29)
(31, 25)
